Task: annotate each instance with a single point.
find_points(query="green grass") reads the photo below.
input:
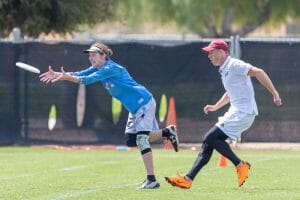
(41, 174)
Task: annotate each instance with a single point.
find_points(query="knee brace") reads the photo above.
(143, 144)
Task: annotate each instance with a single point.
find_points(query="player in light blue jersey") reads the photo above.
(239, 93)
(141, 126)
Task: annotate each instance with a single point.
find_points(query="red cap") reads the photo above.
(216, 44)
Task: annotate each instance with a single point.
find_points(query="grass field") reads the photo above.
(41, 174)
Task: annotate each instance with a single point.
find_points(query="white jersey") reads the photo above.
(239, 88)
(237, 83)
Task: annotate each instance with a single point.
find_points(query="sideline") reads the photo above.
(186, 146)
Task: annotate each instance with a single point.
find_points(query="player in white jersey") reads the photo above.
(239, 93)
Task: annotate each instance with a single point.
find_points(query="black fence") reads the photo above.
(179, 70)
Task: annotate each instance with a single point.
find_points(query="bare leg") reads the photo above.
(148, 163)
(148, 157)
(155, 135)
(169, 133)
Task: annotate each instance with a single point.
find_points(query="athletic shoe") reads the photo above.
(179, 181)
(242, 172)
(173, 136)
(149, 185)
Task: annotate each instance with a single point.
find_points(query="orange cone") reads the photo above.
(171, 119)
(222, 161)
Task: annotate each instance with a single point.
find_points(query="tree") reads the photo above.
(214, 18)
(44, 16)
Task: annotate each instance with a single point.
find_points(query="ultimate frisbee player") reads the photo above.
(236, 78)
(142, 124)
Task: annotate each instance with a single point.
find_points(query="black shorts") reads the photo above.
(130, 138)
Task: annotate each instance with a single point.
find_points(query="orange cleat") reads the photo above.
(179, 181)
(242, 172)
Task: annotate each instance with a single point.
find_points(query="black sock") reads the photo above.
(151, 178)
(165, 133)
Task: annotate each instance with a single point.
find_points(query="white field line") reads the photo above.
(75, 167)
(110, 162)
(72, 168)
(16, 176)
(74, 194)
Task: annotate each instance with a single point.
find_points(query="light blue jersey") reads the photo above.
(119, 84)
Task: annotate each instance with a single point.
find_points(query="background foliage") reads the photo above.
(213, 18)
(206, 18)
(44, 16)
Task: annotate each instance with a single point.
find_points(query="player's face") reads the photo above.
(216, 57)
(96, 59)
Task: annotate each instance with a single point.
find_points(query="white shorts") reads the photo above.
(233, 123)
(143, 120)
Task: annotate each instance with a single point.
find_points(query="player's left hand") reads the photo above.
(209, 108)
(63, 76)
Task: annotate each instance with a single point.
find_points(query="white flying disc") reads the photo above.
(28, 67)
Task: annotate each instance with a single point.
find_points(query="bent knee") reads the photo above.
(142, 141)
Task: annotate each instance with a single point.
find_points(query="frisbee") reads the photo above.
(28, 67)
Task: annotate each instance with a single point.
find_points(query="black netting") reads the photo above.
(281, 61)
(181, 71)
(10, 124)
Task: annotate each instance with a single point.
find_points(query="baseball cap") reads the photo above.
(94, 49)
(216, 44)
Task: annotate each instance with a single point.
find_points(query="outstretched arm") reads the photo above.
(264, 79)
(64, 76)
(222, 102)
(49, 75)
(52, 76)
